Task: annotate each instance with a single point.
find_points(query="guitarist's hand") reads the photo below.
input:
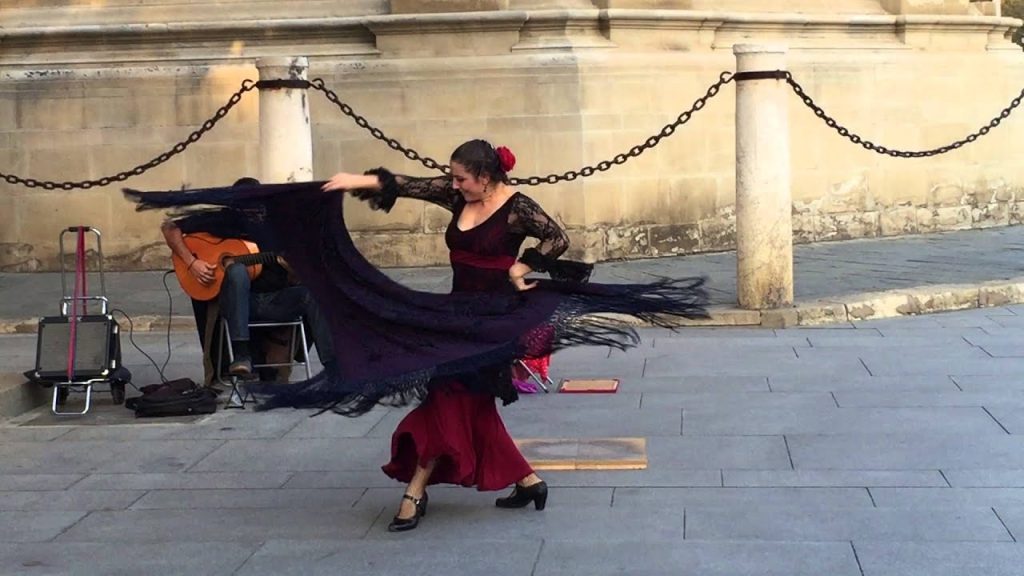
(202, 271)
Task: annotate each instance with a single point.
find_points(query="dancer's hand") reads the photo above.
(517, 276)
(521, 284)
(346, 181)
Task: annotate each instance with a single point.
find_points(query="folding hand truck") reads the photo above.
(76, 350)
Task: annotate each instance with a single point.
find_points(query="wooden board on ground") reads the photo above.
(598, 386)
(585, 453)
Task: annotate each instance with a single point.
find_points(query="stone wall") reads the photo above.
(89, 89)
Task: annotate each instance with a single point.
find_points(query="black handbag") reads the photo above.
(181, 397)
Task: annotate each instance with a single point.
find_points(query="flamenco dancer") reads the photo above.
(449, 353)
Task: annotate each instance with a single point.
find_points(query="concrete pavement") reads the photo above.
(878, 448)
(859, 447)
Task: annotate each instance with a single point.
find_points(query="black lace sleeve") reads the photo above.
(529, 219)
(436, 190)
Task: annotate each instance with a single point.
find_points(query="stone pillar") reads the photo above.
(764, 229)
(286, 138)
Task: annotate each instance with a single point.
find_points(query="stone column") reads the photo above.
(764, 229)
(286, 138)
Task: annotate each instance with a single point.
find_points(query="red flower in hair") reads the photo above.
(506, 158)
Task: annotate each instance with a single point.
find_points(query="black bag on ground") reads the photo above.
(181, 397)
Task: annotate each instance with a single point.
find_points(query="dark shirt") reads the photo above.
(228, 223)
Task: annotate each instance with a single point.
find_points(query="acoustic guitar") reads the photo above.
(216, 250)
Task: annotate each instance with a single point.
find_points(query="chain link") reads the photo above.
(869, 145)
(318, 84)
(621, 158)
(178, 148)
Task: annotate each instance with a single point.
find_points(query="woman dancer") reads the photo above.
(451, 352)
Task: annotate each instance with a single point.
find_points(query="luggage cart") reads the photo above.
(77, 350)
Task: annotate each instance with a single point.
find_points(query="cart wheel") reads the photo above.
(62, 395)
(117, 392)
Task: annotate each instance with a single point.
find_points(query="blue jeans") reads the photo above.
(239, 305)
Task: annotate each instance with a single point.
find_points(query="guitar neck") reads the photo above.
(258, 258)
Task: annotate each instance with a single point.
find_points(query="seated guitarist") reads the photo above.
(271, 296)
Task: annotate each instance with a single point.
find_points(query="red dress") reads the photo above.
(460, 429)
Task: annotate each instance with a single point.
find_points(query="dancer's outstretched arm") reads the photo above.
(380, 187)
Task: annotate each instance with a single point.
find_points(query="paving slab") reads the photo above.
(183, 481)
(999, 401)
(451, 500)
(469, 522)
(222, 425)
(833, 478)
(647, 477)
(629, 556)
(70, 500)
(98, 456)
(766, 421)
(756, 366)
(1009, 415)
(807, 524)
(947, 497)
(688, 383)
(295, 455)
(1013, 518)
(234, 499)
(25, 482)
(750, 452)
(165, 559)
(860, 382)
(32, 434)
(1009, 477)
(35, 526)
(904, 451)
(593, 422)
(988, 382)
(393, 558)
(221, 525)
(940, 558)
(894, 366)
(896, 350)
(745, 498)
(737, 400)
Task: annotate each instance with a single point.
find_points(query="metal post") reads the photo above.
(764, 228)
(286, 138)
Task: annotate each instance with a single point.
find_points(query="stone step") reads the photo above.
(18, 396)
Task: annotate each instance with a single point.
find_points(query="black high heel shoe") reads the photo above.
(404, 524)
(520, 496)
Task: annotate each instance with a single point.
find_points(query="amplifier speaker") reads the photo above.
(94, 351)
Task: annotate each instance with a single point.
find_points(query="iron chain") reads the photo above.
(668, 130)
(318, 84)
(178, 148)
(869, 145)
(621, 158)
(604, 165)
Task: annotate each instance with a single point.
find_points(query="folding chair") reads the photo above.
(239, 398)
(538, 376)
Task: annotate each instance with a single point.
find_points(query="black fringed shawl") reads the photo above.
(392, 343)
